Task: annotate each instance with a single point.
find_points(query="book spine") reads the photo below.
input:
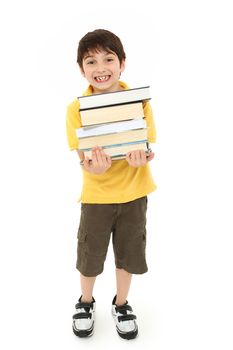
(113, 98)
(111, 128)
(117, 145)
(123, 156)
(113, 105)
(121, 150)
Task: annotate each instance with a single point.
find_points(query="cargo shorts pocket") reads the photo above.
(81, 235)
(138, 244)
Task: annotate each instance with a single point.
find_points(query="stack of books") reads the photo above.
(114, 121)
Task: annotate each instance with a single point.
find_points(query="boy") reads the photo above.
(114, 194)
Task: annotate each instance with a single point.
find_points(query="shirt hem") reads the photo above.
(115, 200)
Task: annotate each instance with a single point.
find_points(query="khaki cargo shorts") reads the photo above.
(126, 223)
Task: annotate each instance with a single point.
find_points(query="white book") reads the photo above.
(111, 128)
(114, 98)
(112, 114)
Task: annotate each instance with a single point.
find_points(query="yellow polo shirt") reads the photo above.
(121, 182)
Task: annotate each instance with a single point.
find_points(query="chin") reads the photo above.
(102, 87)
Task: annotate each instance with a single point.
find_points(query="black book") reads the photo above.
(109, 99)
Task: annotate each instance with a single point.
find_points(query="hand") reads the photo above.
(139, 158)
(100, 162)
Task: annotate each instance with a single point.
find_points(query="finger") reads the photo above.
(128, 157)
(86, 163)
(137, 160)
(138, 155)
(99, 156)
(105, 155)
(143, 156)
(133, 156)
(140, 158)
(108, 159)
(94, 156)
(150, 156)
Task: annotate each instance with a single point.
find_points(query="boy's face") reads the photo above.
(102, 70)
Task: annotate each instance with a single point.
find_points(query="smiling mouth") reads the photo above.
(102, 79)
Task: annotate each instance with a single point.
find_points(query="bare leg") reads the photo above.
(123, 281)
(87, 285)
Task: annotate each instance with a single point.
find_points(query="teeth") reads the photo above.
(102, 78)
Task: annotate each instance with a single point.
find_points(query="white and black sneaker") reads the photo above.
(125, 320)
(84, 318)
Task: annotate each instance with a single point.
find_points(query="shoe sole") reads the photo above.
(128, 335)
(84, 333)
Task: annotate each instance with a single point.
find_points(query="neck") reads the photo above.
(113, 88)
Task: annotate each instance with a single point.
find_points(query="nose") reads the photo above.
(100, 68)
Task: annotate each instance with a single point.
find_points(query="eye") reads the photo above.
(110, 59)
(90, 62)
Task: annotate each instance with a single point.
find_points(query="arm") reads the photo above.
(139, 158)
(99, 164)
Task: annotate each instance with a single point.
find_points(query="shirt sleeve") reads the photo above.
(73, 121)
(150, 122)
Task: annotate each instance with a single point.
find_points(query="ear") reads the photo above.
(122, 66)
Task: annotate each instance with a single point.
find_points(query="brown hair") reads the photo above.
(100, 39)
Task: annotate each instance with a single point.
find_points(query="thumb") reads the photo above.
(86, 163)
(150, 157)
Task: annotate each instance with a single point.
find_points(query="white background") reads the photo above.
(183, 49)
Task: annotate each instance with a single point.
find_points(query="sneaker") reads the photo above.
(125, 320)
(84, 318)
